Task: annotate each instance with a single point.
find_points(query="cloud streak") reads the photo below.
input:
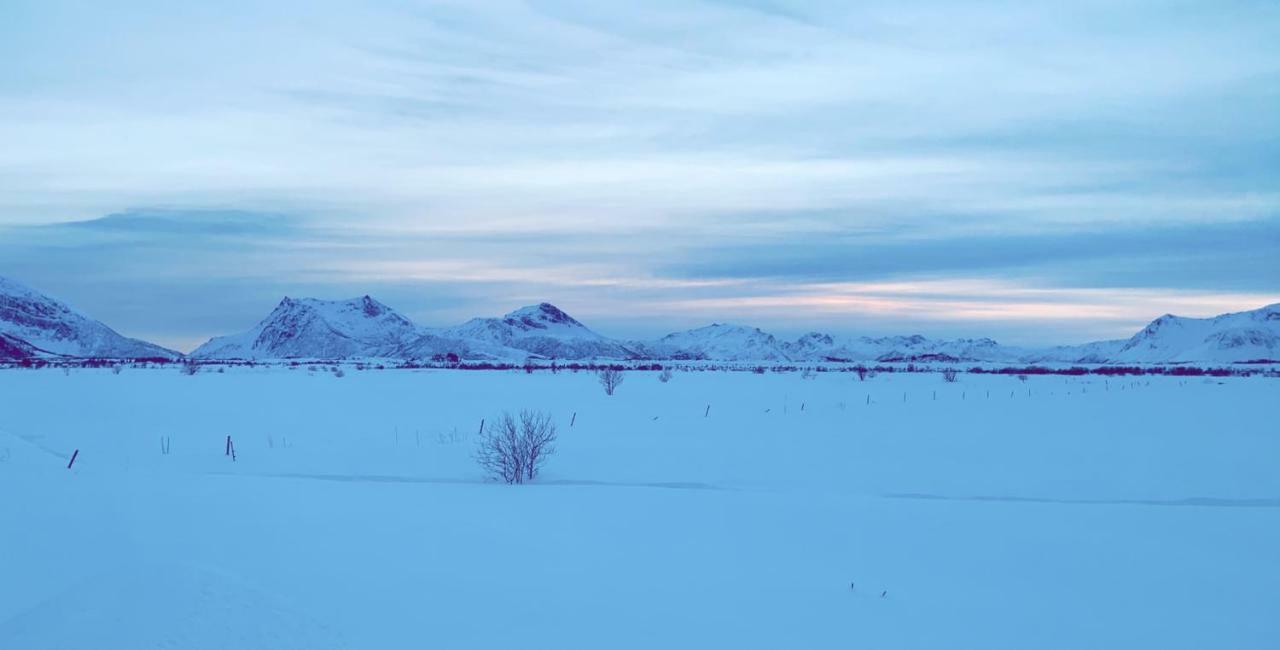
(672, 158)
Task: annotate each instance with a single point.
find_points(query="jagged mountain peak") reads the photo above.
(315, 328)
(540, 316)
(816, 338)
(541, 330)
(364, 307)
(725, 329)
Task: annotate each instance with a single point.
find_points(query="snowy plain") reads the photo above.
(897, 512)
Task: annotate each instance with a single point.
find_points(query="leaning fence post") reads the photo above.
(228, 451)
(74, 454)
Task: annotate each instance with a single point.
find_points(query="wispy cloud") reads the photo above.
(634, 159)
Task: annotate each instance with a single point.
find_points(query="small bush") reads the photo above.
(514, 448)
(115, 370)
(808, 374)
(189, 367)
(337, 372)
(610, 378)
(949, 375)
(665, 375)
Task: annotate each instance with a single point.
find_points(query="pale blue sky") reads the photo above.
(1036, 172)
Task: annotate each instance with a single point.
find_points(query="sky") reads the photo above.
(1034, 172)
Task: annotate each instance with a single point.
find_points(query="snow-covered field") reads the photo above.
(1060, 512)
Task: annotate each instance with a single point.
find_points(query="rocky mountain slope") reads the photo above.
(35, 325)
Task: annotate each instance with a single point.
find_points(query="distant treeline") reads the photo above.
(1245, 369)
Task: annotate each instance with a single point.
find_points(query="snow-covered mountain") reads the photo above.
(716, 342)
(1095, 352)
(541, 330)
(1228, 338)
(816, 346)
(35, 325)
(319, 329)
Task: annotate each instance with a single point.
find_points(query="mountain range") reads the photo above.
(35, 326)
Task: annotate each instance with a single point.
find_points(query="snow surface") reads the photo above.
(1060, 512)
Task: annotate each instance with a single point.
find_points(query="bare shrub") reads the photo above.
(665, 375)
(514, 448)
(189, 367)
(862, 373)
(338, 372)
(808, 374)
(1022, 377)
(949, 375)
(115, 370)
(610, 378)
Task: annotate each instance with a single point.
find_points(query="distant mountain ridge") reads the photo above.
(35, 326)
(544, 331)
